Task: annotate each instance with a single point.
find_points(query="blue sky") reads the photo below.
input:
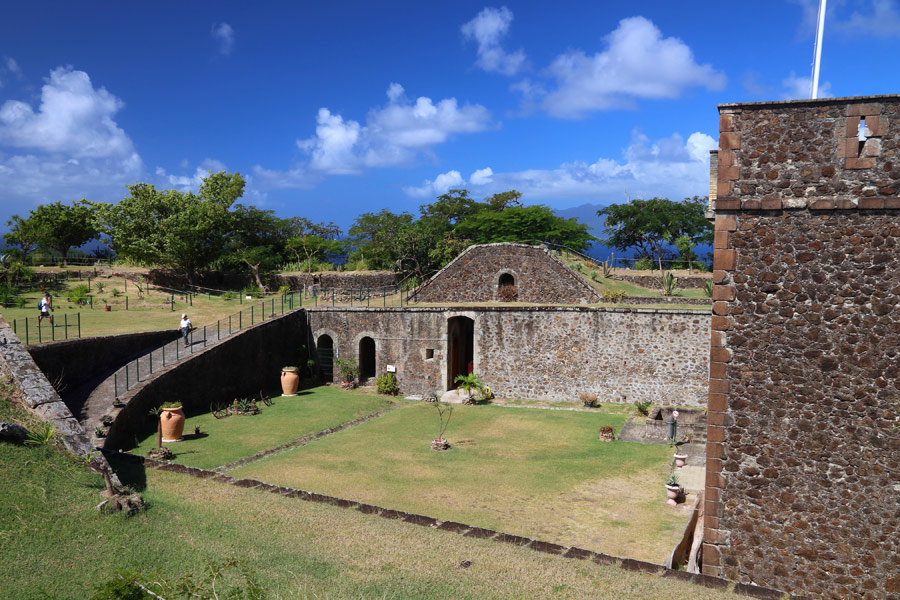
(334, 109)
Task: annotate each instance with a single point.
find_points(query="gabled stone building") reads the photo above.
(508, 272)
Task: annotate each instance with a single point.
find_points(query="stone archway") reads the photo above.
(461, 348)
(367, 364)
(325, 351)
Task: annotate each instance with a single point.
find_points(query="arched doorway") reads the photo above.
(506, 288)
(325, 350)
(461, 350)
(366, 358)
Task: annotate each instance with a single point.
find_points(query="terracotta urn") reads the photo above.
(290, 381)
(679, 459)
(172, 421)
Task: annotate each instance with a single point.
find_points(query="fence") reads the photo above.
(141, 368)
(31, 331)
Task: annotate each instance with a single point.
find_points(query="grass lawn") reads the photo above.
(222, 441)
(55, 545)
(536, 473)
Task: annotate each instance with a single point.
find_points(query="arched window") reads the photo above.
(506, 288)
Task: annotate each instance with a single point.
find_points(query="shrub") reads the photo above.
(79, 294)
(507, 293)
(668, 283)
(612, 295)
(645, 263)
(252, 291)
(284, 289)
(643, 408)
(100, 287)
(174, 404)
(348, 369)
(229, 296)
(386, 383)
(588, 399)
(708, 289)
(115, 292)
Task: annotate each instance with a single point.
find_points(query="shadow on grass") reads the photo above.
(131, 472)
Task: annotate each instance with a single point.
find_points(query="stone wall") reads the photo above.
(39, 396)
(236, 281)
(539, 276)
(551, 353)
(73, 362)
(242, 365)
(803, 459)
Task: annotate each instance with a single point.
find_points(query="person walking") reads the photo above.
(185, 327)
(46, 306)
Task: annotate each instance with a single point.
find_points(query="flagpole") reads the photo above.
(820, 30)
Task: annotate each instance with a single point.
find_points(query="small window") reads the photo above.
(429, 353)
(506, 288)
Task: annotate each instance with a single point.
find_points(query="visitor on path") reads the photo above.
(46, 305)
(186, 328)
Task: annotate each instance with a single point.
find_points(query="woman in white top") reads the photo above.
(185, 327)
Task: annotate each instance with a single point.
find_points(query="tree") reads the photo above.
(374, 235)
(24, 235)
(651, 224)
(180, 230)
(312, 241)
(525, 224)
(63, 227)
(258, 240)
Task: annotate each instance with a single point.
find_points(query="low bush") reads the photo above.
(643, 408)
(612, 295)
(386, 383)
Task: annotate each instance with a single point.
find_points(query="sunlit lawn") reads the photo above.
(537, 473)
(222, 441)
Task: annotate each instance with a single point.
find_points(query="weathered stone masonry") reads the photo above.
(551, 353)
(803, 459)
(536, 274)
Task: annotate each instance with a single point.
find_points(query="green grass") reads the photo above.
(54, 544)
(537, 473)
(222, 441)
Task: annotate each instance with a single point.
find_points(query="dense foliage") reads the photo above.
(188, 232)
(651, 225)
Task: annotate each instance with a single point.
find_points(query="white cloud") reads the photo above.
(670, 167)
(798, 88)
(13, 67)
(73, 118)
(487, 29)
(223, 33)
(395, 134)
(638, 63)
(185, 183)
(440, 185)
(70, 147)
(481, 176)
(296, 177)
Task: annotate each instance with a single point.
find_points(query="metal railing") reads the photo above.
(32, 331)
(141, 368)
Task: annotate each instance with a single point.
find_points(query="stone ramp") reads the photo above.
(99, 400)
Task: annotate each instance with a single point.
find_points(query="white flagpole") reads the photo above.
(820, 30)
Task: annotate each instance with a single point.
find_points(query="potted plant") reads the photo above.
(590, 400)
(349, 372)
(673, 489)
(468, 383)
(171, 421)
(445, 411)
(99, 432)
(290, 380)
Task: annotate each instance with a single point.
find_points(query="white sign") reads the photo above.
(391, 369)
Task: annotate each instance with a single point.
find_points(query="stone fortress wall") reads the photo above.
(803, 459)
(550, 353)
(539, 277)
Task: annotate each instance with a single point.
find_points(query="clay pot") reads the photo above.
(172, 420)
(679, 460)
(107, 308)
(290, 381)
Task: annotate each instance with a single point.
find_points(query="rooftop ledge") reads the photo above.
(810, 102)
